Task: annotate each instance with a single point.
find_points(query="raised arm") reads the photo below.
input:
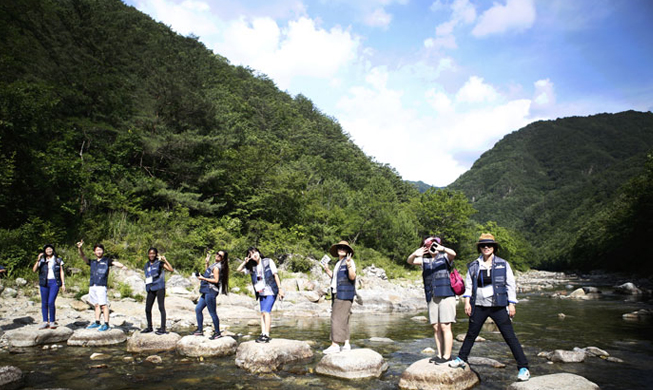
(415, 258)
(81, 252)
(119, 264)
(38, 261)
(167, 265)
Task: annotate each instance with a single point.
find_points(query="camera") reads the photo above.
(433, 248)
(196, 274)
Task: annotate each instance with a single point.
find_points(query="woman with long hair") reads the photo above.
(51, 279)
(214, 280)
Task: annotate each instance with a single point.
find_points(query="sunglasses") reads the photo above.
(483, 246)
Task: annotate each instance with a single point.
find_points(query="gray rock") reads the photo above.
(20, 282)
(373, 271)
(268, 357)
(31, 336)
(79, 305)
(638, 315)
(555, 382)
(136, 284)
(613, 359)
(151, 342)
(100, 356)
(562, 356)
(461, 337)
(154, 359)
(196, 346)
(594, 351)
(353, 364)
(591, 290)
(428, 351)
(627, 289)
(178, 281)
(10, 377)
(578, 293)
(481, 361)
(419, 319)
(381, 340)
(94, 338)
(423, 375)
(9, 293)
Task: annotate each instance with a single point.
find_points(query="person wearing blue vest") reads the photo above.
(214, 280)
(436, 261)
(266, 286)
(490, 287)
(97, 287)
(155, 286)
(51, 278)
(343, 291)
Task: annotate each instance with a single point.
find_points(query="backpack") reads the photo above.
(457, 283)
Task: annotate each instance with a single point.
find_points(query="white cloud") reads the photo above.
(300, 48)
(462, 12)
(544, 94)
(476, 91)
(378, 18)
(514, 15)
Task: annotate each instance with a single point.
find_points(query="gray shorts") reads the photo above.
(442, 310)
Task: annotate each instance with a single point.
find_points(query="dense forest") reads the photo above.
(116, 129)
(580, 189)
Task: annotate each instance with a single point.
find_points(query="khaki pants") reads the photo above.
(340, 311)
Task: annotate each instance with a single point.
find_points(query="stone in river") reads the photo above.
(423, 375)
(11, 377)
(94, 338)
(628, 289)
(100, 356)
(154, 359)
(461, 337)
(30, 336)
(152, 342)
(481, 361)
(420, 319)
(353, 364)
(196, 346)
(555, 382)
(381, 340)
(562, 356)
(267, 357)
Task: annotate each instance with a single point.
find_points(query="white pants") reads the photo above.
(97, 295)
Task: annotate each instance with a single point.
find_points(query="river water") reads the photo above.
(587, 323)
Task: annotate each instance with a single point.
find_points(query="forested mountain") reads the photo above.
(420, 185)
(115, 128)
(572, 186)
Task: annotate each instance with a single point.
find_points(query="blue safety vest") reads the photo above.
(99, 272)
(208, 287)
(155, 271)
(499, 267)
(435, 273)
(268, 275)
(43, 272)
(346, 288)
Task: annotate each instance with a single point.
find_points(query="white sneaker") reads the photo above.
(332, 349)
(524, 374)
(345, 347)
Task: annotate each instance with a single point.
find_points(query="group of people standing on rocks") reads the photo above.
(490, 291)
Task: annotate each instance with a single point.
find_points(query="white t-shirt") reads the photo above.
(334, 277)
(51, 267)
(260, 273)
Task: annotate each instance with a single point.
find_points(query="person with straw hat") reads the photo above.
(490, 289)
(343, 291)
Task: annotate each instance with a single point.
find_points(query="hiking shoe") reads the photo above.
(147, 330)
(198, 332)
(266, 338)
(457, 362)
(524, 374)
(332, 349)
(345, 347)
(44, 325)
(216, 336)
(104, 327)
(436, 360)
(93, 326)
(161, 331)
(54, 325)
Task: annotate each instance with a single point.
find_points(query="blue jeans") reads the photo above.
(48, 296)
(207, 300)
(502, 320)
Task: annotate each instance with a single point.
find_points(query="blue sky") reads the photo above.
(428, 86)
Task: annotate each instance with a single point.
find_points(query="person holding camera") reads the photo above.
(51, 278)
(436, 260)
(266, 286)
(490, 291)
(155, 285)
(97, 286)
(214, 280)
(343, 291)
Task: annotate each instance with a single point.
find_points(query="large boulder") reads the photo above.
(267, 357)
(136, 284)
(178, 281)
(10, 378)
(152, 342)
(353, 364)
(423, 375)
(30, 336)
(94, 338)
(196, 346)
(628, 289)
(562, 356)
(555, 382)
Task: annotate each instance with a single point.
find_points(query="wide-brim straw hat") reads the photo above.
(486, 238)
(334, 248)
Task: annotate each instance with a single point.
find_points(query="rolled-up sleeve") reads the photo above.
(468, 285)
(511, 284)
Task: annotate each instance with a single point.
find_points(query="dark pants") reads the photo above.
(48, 296)
(502, 319)
(160, 296)
(207, 300)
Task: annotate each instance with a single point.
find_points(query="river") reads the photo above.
(587, 323)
